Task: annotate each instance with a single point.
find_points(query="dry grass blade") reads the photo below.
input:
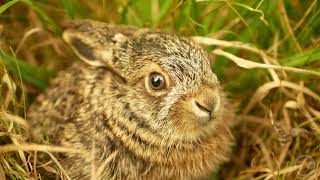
(287, 23)
(12, 86)
(263, 91)
(280, 172)
(221, 43)
(34, 165)
(2, 174)
(59, 165)
(43, 148)
(256, 169)
(8, 134)
(20, 152)
(297, 26)
(264, 149)
(315, 112)
(26, 36)
(316, 175)
(11, 89)
(16, 119)
(250, 64)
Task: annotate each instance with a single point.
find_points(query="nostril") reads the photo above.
(203, 107)
(201, 110)
(206, 104)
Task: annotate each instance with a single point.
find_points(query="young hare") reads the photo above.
(149, 98)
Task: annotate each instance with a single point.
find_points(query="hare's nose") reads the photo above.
(202, 109)
(206, 105)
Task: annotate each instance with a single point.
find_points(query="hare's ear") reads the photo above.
(98, 44)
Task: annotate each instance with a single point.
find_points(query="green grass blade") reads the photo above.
(69, 8)
(43, 16)
(164, 9)
(39, 11)
(4, 7)
(302, 59)
(74, 10)
(39, 77)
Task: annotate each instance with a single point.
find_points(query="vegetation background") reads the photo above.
(277, 126)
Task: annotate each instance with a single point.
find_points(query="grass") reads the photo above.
(278, 108)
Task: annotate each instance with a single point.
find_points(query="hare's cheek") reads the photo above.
(183, 118)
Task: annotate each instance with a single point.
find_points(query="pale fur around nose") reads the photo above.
(206, 104)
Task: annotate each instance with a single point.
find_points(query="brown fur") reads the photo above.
(108, 105)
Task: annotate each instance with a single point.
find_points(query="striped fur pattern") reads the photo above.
(105, 102)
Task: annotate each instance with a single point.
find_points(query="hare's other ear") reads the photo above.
(97, 43)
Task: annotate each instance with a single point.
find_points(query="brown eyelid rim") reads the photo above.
(155, 68)
(155, 92)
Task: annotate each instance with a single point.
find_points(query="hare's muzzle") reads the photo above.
(206, 105)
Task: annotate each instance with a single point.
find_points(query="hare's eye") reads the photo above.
(157, 81)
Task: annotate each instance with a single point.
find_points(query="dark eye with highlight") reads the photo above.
(157, 81)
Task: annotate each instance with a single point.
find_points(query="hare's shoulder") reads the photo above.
(56, 106)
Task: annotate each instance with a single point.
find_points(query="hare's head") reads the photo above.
(165, 79)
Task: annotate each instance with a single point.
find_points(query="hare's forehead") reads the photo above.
(187, 64)
(179, 57)
(183, 69)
